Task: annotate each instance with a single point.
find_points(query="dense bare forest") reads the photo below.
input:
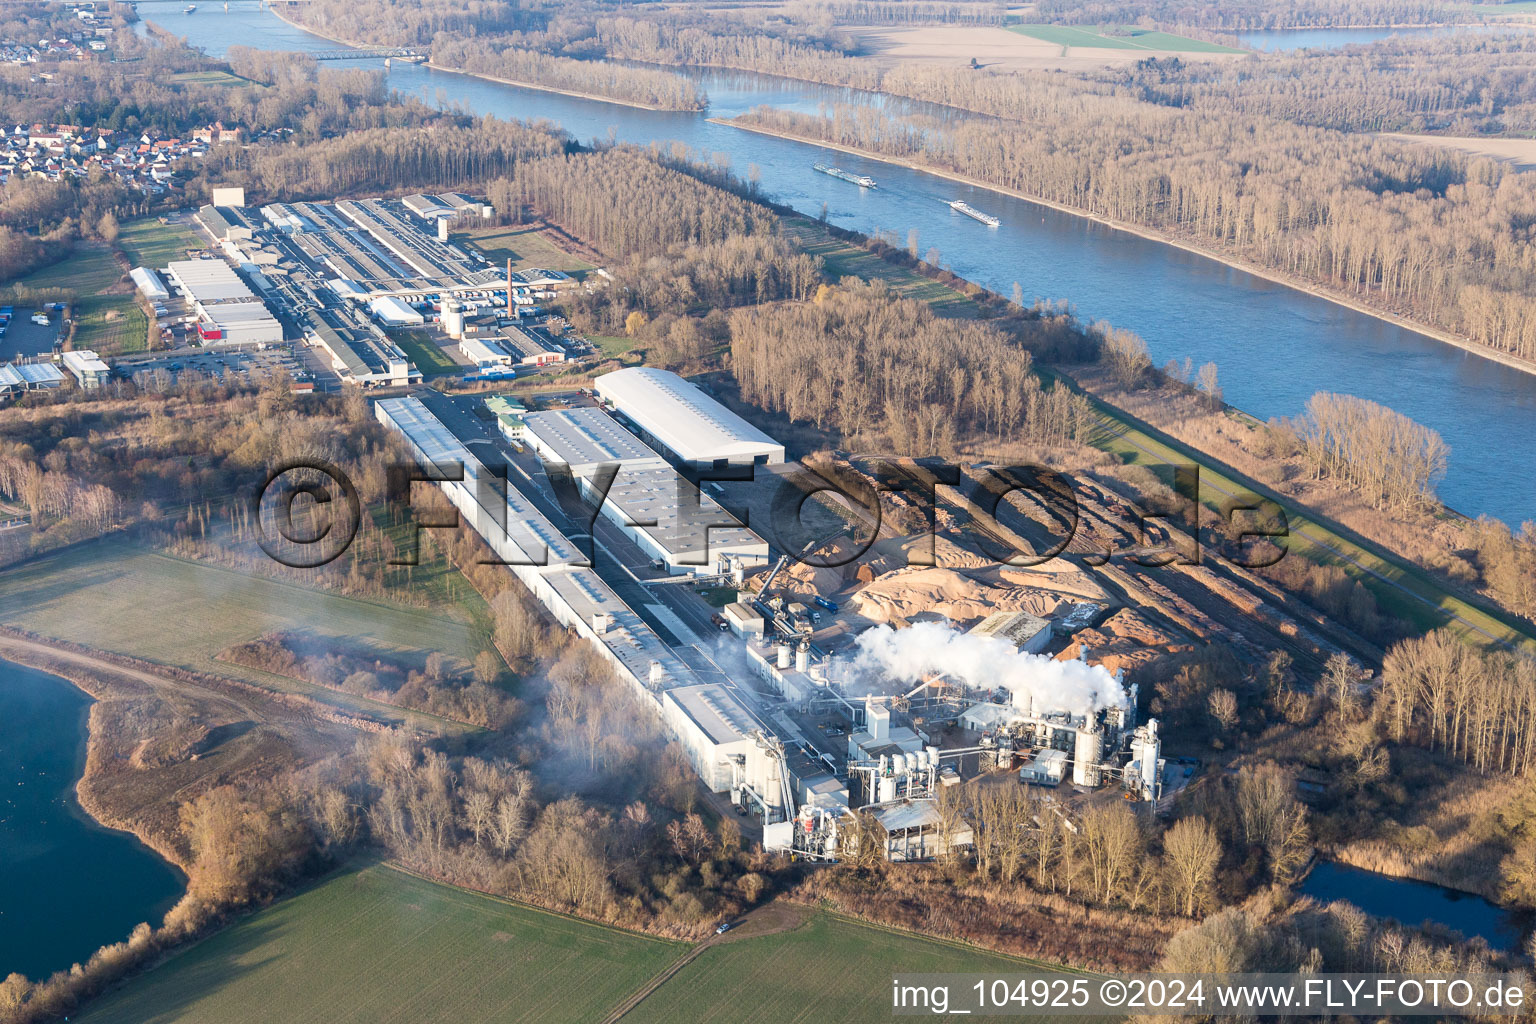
(895, 12)
(629, 84)
(626, 202)
(1385, 457)
(1436, 235)
(1468, 84)
(1477, 706)
(671, 37)
(869, 364)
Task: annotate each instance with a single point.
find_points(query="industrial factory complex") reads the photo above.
(344, 276)
(802, 695)
(795, 735)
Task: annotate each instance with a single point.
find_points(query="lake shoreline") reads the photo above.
(1153, 235)
(41, 657)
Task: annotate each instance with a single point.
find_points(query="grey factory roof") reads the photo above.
(524, 525)
(29, 375)
(433, 440)
(209, 280)
(718, 715)
(377, 246)
(586, 437)
(630, 640)
(687, 521)
(907, 814)
(528, 344)
(683, 418)
(345, 346)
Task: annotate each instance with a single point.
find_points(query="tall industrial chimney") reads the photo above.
(509, 288)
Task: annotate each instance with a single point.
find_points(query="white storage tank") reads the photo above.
(453, 319)
(803, 657)
(898, 764)
(1086, 754)
(784, 655)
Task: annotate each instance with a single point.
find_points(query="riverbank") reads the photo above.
(1151, 234)
(594, 97)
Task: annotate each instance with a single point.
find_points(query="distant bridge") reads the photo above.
(371, 53)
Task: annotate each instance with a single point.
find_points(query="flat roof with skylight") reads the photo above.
(680, 417)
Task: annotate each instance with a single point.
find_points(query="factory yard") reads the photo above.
(381, 946)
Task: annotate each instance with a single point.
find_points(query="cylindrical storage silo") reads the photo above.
(1086, 753)
(803, 657)
(453, 319)
(784, 655)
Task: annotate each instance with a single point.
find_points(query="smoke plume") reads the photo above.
(884, 656)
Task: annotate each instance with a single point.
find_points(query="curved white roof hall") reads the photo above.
(682, 418)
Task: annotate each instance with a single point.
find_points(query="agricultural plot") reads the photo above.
(829, 969)
(1122, 38)
(129, 600)
(377, 946)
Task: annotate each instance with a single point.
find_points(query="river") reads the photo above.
(68, 886)
(1275, 346)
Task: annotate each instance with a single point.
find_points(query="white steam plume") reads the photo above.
(908, 656)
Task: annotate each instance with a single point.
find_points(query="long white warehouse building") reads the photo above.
(227, 311)
(679, 417)
(666, 516)
(710, 723)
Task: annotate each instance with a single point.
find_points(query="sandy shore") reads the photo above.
(1465, 344)
(491, 78)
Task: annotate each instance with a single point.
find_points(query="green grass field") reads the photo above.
(1496, 9)
(829, 969)
(429, 358)
(212, 78)
(525, 247)
(149, 243)
(108, 323)
(130, 600)
(844, 259)
(1120, 38)
(612, 345)
(377, 946)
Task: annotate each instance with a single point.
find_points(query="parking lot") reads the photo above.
(241, 365)
(25, 338)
